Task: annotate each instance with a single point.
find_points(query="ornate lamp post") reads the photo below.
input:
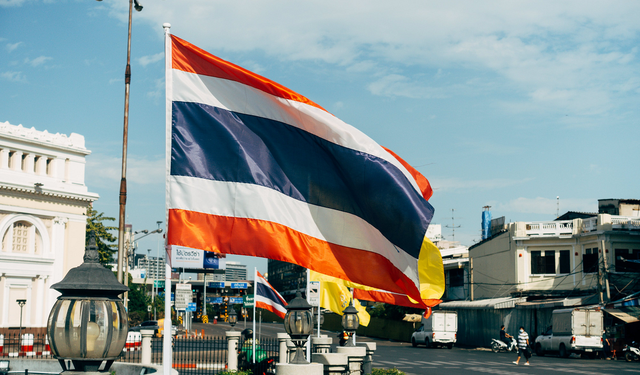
(350, 321)
(233, 317)
(298, 323)
(88, 323)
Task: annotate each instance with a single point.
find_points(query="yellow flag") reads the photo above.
(335, 296)
(431, 271)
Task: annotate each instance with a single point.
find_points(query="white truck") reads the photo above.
(439, 329)
(576, 330)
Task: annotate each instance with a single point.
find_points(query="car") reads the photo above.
(149, 324)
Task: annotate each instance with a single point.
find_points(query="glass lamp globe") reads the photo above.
(350, 321)
(88, 323)
(298, 323)
(233, 317)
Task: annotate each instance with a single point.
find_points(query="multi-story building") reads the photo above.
(577, 254)
(235, 271)
(151, 268)
(43, 205)
(286, 278)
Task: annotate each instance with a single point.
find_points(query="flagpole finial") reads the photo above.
(166, 25)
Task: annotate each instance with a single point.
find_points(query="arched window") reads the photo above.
(22, 237)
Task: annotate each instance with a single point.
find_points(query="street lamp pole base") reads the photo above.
(291, 369)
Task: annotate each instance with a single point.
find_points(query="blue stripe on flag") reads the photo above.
(265, 291)
(212, 143)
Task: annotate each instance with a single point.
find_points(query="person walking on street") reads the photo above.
(606, 346)
(523, 346)
(504, 336)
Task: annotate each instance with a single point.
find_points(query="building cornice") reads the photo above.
(88, 197)
(73, 143)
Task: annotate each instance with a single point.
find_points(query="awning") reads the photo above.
(626, 314)
(491, 303)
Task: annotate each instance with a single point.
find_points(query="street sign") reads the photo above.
(216, 284)
(191, 306)
(183, 296)
(247, 301)
(235, 300)
(158, 283)
(239, 285)
(313, 297)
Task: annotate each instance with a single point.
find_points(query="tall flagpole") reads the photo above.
(167, 357)
(308, 343)
(255, 284)
(123, 179)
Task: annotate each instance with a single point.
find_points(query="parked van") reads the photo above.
(439, 329)
(577, 330)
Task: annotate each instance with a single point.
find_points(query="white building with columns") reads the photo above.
(43, 206)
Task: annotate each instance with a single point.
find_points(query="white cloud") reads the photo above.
(449, 184)
(13, 76)
(559, 56)
(488, 148)
(11, 3)
(37, 61)
(541, 205)
(146, 60)
(158, 91)
(13, 46)
(140, 170)
(397, 85)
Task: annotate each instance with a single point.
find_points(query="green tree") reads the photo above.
(392, 312)
(104, 239)
(138, 302)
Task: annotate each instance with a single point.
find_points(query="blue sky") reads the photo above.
(499, 103)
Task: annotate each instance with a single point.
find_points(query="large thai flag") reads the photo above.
(257, 169)
(265, 297)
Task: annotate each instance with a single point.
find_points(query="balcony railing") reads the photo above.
(549, 228)
(565, 227)
(621, 222)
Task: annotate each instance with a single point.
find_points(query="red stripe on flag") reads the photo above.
(191, 59)
(270, 240)
(266, 306)
(423, 183)
(392, 298)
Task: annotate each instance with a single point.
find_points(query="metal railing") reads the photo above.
(193, 356)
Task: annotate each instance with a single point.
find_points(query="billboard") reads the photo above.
(194, 259)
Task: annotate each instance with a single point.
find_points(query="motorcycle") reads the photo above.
(263, 365)
(499, 345)
(631, 352)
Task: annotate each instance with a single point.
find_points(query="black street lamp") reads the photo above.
(21, 302)
(233, 317)
(88, 323)
(298, 323)
(350, 321)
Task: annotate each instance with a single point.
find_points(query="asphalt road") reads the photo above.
(422, 361)
(419, 361)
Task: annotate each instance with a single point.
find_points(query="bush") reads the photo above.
(386, 371)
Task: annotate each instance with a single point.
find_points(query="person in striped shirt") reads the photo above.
(523, 346)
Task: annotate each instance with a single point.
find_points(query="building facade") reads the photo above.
(235, 271)
(598, 253)
(43, 205)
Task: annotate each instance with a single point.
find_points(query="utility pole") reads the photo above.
(606, 272)
(471, 278)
